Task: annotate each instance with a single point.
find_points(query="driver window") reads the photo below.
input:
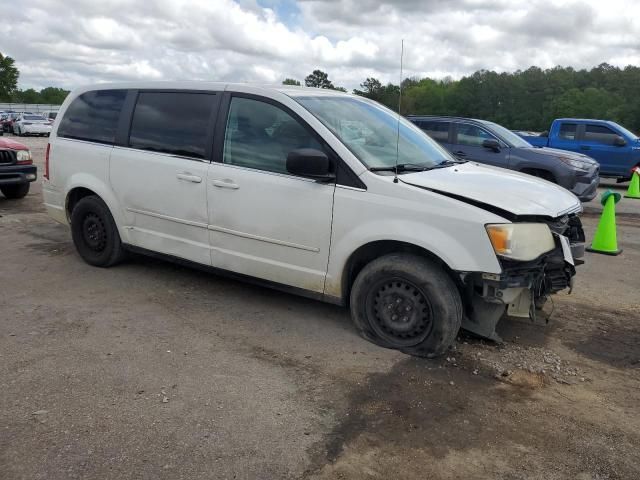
(471, 135)
(260, 135)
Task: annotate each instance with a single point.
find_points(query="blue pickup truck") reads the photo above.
(615, 148)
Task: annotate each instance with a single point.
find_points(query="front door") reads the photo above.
(598, 142)
(160, 175)
(263, 221)
(468, 146)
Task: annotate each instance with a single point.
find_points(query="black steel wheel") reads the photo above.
(95, 233)
(400, 311)
(407, 302)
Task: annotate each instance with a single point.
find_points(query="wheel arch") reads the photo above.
(375, 249)
(84, 185)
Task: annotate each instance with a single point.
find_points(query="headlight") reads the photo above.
(24, 155)
(520, 241)
(575, 163)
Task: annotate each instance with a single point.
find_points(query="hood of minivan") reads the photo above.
(514, 192)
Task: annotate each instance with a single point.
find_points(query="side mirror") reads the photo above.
(310, 163)
(619, 141)
(491, 144)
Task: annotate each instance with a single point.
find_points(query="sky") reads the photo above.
(66, 43)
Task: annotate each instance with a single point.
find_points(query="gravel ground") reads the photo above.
(150, 370)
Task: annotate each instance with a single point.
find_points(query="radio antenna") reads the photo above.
(395, 178)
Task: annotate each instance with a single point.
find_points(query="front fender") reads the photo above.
(451, 230)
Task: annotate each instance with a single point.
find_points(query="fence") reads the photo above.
(29, 107)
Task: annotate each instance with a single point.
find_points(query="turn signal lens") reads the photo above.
(500, 238)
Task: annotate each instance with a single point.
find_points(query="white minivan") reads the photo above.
(314, 191)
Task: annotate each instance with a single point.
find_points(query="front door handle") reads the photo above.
(226, 183)
(189, 178)
(585, 147)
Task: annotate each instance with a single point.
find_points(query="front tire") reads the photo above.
(95, 233)
(406, 302)
(15, 191)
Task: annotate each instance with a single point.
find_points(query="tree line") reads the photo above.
(524, 100)
(11, 94)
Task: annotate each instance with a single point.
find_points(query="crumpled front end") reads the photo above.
(522, 287)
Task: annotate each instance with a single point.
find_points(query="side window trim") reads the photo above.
(347, 178)
(126, 117)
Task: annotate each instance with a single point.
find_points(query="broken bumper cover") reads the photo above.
(519, 288)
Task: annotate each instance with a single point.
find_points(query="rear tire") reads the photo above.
(406, 302)
(15, 191)
(95, 233)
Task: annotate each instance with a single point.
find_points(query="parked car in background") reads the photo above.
(259, 182)
(16, 168)
(7, 123)
(492, 144)
(31, 125)
(615, 148)
(49, 115)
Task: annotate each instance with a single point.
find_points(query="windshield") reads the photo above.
(626, 132)
(370, 131)
(32, 117)
(508, 136)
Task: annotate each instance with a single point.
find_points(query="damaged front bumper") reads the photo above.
(522, 287)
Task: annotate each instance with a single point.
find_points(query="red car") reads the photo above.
(17, 170)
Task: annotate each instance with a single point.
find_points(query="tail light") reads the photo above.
(46, 161)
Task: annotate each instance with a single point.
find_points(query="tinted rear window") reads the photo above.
(437, 130)
(568, 131)
(174, 123)
(93, 116)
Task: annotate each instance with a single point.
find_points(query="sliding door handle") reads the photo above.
(226, 183)
(189, 178)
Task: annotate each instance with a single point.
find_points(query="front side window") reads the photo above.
(568, 131)
(93, 116)
(172, 122)
(260, 135)
(600, 134)
(373, 133)
(472, 135)
(439, 131)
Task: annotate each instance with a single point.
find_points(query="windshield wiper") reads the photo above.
(448, 163)
(402, 167)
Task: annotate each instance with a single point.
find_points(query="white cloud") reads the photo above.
(69, 42)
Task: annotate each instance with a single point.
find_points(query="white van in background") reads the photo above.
(314, 191)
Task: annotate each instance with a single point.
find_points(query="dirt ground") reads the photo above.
(150, 370)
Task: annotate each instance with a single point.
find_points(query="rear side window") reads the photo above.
(568, 131)
(172, 122)
(439, 131)
(93, 116)
(600, 134)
